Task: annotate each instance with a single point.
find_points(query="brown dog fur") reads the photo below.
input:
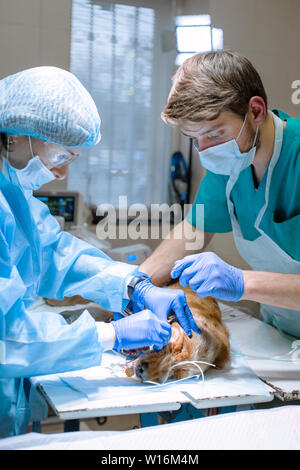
(211, 346)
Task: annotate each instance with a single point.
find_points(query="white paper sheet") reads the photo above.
(277, 429)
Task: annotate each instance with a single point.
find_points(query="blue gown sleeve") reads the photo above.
(37, 343)
(71, 266)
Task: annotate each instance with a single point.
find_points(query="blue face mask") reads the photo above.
(226, 158)
(32, 177)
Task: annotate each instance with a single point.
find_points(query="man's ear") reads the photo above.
(257, 110)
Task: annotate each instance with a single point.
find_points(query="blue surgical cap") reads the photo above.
(50, 104)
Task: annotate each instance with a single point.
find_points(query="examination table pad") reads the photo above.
(260, 342)
(274, 429)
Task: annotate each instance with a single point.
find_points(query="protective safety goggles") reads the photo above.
(58, 156)
(55, 155)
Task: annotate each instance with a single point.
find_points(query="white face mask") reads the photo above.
(32, 177)
(226, 158)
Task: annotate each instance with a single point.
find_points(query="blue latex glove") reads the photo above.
(162, 302)
(117, 316)
(207, 274)
(140, 330)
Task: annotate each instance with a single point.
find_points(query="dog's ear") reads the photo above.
(176, 332)
(176, 338)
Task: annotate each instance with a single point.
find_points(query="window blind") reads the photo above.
(113, 53)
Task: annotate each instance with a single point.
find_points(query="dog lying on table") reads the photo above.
(212, 346)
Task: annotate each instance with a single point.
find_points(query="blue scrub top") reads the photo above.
(281, 220)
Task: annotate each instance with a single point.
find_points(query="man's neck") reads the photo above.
(264, 153)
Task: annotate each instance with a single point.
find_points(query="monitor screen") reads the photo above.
(60, 205)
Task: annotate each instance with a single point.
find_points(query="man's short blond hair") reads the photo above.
(209, 83)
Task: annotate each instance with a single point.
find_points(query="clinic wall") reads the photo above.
(34, 33)
(267, 32)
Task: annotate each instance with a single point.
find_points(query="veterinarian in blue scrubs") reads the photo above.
(46, 118)
(251, 187)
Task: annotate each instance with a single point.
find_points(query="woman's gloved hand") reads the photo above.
(140, 330)
(162, 302)
(207, 274)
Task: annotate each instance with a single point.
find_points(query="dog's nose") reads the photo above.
(141, 370)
